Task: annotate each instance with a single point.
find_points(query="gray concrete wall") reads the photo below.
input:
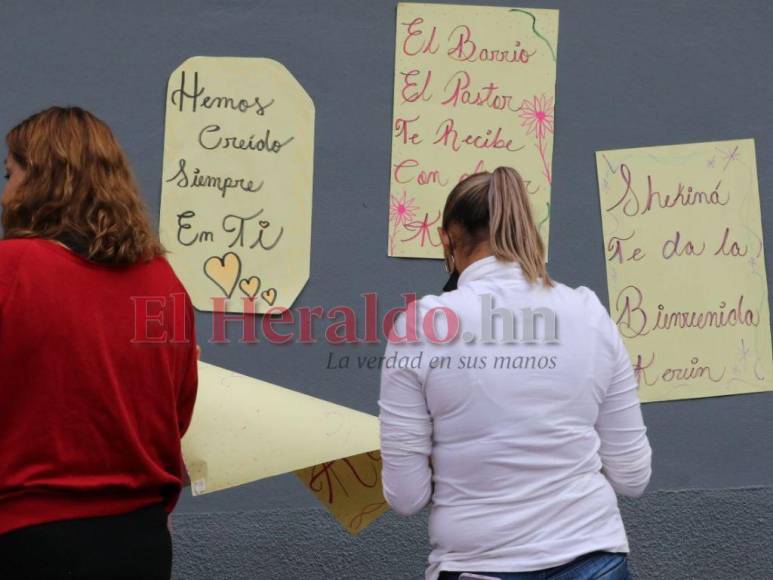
(630, 73)
(706, 535)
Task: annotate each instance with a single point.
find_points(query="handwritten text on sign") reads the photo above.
(237, 183)
(474, 89)
(686, 267)
(350, 488)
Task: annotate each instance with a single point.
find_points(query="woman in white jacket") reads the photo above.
(510, 404)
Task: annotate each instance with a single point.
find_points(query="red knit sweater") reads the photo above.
(97, 384)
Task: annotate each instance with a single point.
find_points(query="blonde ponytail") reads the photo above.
(513, 233)
(495, 207)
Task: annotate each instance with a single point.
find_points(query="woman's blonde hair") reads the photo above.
(77, 189)
(495, 207)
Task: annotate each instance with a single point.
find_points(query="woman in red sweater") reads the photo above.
(97, 361)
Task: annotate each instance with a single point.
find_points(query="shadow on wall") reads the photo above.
(717, 534)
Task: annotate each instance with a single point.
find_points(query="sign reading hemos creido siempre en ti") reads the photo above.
(686, 267)
(237, 182)
(474, 89)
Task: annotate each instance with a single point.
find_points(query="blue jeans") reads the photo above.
(595, 566)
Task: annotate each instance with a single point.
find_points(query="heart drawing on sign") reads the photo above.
(250, 286)
(269, 295)
(224, 272)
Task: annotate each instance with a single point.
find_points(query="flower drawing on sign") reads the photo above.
(729, 156)
(402, 210)
(753, 264)
(422, 230)
(537, 118)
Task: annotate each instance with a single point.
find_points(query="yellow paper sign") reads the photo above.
(686, 267)
(245, 429)
(474, 89)
(349, 488)
(237, 182)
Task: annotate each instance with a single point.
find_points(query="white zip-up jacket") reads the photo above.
(519, 447)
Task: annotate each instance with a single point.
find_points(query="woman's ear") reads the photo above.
(448, 250)
(445, 239)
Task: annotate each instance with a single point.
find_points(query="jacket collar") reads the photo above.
(491, 268)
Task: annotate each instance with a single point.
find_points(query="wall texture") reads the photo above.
(648, 72)
(716, 535)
